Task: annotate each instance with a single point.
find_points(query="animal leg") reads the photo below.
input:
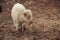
(23, 27)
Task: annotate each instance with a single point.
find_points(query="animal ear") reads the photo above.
(25, 14)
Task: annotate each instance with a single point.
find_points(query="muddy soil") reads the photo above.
(45, 26)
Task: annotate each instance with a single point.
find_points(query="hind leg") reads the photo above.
(16, 23)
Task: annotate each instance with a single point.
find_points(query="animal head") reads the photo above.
(28, 14)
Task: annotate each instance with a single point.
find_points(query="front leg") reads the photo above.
(23, 27)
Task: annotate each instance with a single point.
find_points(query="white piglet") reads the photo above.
(20, 15)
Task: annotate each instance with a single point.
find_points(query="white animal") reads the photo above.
(20, 15)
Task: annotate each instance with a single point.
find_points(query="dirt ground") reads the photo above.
(45, 26)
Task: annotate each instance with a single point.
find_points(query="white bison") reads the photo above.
(20, 15)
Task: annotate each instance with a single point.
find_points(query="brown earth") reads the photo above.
(45, 26)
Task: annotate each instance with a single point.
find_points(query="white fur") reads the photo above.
(18, 15)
